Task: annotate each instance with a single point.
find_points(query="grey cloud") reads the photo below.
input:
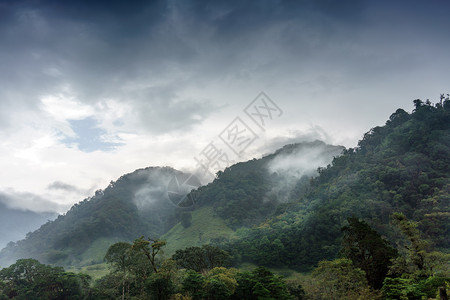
(162, 110)
(294, 166)
(100, 47)
(28, 201)
(315, 133)
(305, 159)
(59, 185)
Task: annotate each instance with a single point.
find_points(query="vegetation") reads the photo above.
(205, 228)
(368, 251)
(29, 279)
(374, 224)
(400, 167)
(133, 205)
(201, 259)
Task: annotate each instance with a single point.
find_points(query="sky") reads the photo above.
(91, 90)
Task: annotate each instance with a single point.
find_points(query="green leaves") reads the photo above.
(367, 250)
(29, 279)
(201, 259)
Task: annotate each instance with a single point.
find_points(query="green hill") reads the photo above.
(204, 228)
(137, 204)
(277, 211)
(403, 166)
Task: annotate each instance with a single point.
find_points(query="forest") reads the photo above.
(373, 224)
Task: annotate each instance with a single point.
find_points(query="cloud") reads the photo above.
(304, 159)
(91, 90)
(309, 134)
(27, 201)
(58, 185)
(294, 164)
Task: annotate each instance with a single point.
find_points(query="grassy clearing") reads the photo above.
(96, 252)
(96, 271)
(204, 227)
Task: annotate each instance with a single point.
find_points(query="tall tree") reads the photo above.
(118, 255)
(150, 248)
(367, 250)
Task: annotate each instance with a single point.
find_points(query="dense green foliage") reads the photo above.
(339, 279)
(201, 259)
(193, 273)
(373, 224)
(368, 251)
(29, 279)
(243, 193)
(403, 166)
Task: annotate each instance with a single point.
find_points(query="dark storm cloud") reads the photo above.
(98, 44)
(145, 53)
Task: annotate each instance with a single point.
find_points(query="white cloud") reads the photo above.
(63, 108)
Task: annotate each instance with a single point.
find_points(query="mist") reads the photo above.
(294, 165)
(16, 223)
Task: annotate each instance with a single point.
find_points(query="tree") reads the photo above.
(161, 285)
(220, 283)
(261, 283)
(415, 260)
(193, 285)
(416, 273)
(150, 248)
(29, 279)
(367, 250)
(339, 279)
(118, 255)
(201, 259)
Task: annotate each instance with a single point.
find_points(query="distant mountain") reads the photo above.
(137, 204)
(15, 223)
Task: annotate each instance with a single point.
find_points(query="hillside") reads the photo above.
(403, 166)
(268, 211)
(136, 204)
(204, 228)
(388, 197)
(247, 193)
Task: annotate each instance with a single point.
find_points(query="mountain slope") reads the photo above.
(246, 193)
(403, 166)
(136, 204)
(205, 227)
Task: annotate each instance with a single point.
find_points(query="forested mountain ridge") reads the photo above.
(246, 193)
(372, 225)
(403, 166)
(133, 205)
(137, 204)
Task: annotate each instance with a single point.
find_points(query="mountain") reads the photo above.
(277, 211)
(15, 223)
(134, 205)
(137, 204)
(403, 166)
